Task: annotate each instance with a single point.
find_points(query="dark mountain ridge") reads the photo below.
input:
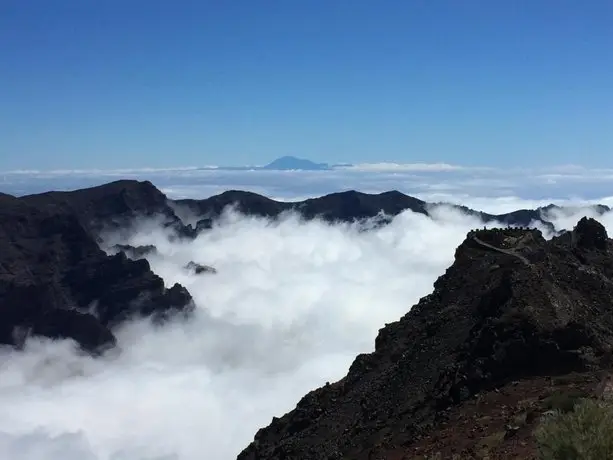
(109, 206)
(352, 205)
(116, 204)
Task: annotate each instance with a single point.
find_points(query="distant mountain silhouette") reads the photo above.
(348, 206)
(292, 163)
(286, 163)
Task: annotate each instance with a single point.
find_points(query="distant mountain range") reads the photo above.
(285, 163)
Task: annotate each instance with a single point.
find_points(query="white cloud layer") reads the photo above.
(291, 306)
(391, 167)
(436, 181)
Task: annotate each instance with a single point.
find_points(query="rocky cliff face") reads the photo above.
(511, 310)
(52, 271)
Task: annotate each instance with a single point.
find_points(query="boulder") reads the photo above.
(199, 268)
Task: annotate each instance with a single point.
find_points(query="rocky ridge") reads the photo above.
(55, 281)
(118, 204)
(513, 313)
(348, 206)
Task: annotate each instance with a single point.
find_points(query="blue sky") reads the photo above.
(132, 83)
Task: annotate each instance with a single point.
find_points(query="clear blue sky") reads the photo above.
(131, 83)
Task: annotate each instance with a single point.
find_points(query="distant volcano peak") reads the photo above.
(290, 162)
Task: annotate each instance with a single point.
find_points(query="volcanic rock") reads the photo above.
(513, 313)
(135, 252)
(590, 234)
(56, 282)
(198, 269)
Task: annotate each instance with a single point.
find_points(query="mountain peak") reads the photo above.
(293, 163)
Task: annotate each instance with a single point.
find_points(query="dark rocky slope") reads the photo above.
(512, 312)
(52, 271)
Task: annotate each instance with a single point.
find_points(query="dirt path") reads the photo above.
(503, 251)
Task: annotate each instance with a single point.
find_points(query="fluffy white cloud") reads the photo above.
(430, 167)
(290, 307)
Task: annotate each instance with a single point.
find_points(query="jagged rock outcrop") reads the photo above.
(141, 252)
(55, 281)
(199, 269)
(135, 252)
(590, 234)
(511, 312)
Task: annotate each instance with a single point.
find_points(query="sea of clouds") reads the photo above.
(290, 307)
(485, 188)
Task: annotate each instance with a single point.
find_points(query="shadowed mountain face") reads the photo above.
(512, 307)
(116, 204)
(52, 271)
(347, 206)
(336, 207)
(110, 206)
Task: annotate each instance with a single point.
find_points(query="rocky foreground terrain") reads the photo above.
(514, 323)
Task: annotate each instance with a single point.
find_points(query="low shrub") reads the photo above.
(584, 433)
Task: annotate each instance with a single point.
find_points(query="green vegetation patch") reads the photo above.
(584, 433)
(563, 401)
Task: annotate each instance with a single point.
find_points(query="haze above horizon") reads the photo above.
(139, 84)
